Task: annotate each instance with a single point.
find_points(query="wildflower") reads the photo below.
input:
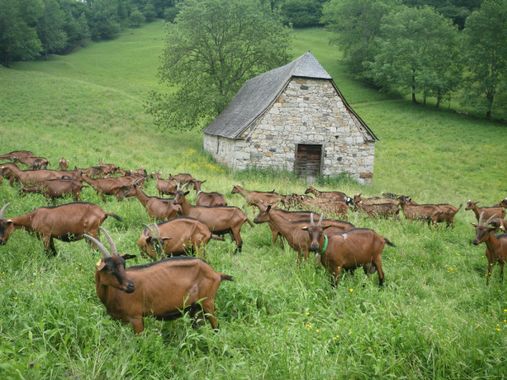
(351, 290)
(336, 337)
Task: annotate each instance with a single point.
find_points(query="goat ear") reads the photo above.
(165, 238)
(100, 265)
(305, 228)
(204, 181)
(128, 256)
(268, 208)
(473, 224)
(325, 226)
(186, 192)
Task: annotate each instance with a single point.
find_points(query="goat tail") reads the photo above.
(459, 208)
(117, 217)
(250, 222)
(389, 243)
(217, 237)
(226, 277)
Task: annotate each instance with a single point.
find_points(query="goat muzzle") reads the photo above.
(130, 287)
(314, 247)
(475, 242)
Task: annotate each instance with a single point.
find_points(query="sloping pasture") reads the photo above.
(435, 318)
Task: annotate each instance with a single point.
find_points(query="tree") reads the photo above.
(18, 37)
(356, 24)
(50, 28)
(302, 13)
(211, 49)
(486, 51)
(136, 18)
(103, 19)
(412, 51)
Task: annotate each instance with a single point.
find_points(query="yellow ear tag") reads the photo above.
(100, 265)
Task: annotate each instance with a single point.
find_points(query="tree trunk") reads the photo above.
(490, 97)
(439, 98)
(414, 100)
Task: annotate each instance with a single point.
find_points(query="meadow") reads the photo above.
(435, 318)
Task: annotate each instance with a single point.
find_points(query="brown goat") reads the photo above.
(34, 163)
(413, 211)
(254, 197)
(293, 231)
(111, 186)
(348, 250)
(176, 237)
(168, 187)
(34, 177)
(496, 245)
(57, 188)
(164, 289)
(374, 210)
(328, 206)
(374, 200)
(63, 164)
(16, 154)
(502, 203)
(181, 178)
(337, 195)
(67, 222)
(294, 200)
(220, 220)
(293, 216)
(208, 199)
(157, 208)
(487, 212)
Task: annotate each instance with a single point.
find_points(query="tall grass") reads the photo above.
(435, 318)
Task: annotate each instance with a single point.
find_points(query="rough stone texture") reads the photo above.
(309, 111)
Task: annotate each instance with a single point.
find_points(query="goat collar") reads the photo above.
(324, 247)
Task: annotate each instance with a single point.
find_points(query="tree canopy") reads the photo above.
(212, 48)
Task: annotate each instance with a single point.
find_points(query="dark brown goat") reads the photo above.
(157, 208)
(164, 289)
(63, 164)
(496, 245)
(348, 250)
(336, 195)
(254, 197)
(66, 222)
(502, 203)
(293, 231)
(208, 199)
(431, 213)
(168, 187)
(220, 220)
(57, 188)
(176, 237)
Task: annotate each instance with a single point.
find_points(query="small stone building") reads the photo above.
(293, 118)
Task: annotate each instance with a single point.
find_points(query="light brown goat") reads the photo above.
(112, 186)
(496, 245)
(66, 222)
(348, 250)
(176, 237)
(33, 163)
(16, 154)
(57, 188)
(292, 231)
(63, 164)
(487, 212)
(254, 197)
(164, 289)
(168, 187)
(157, 208)
(374, 210)
(34, 177)
(220, 220)
(336, 195)
(209, 199)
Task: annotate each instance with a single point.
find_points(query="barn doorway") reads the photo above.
(308, 161)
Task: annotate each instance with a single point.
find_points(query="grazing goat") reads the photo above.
(220, 220)
(168, 187)
(63, 164)
(253, 197)
(496, 245)
(33, 163)
(502, 203)
(348, 250)
(294, 200)
(374, 200)
(374, 210)
(181, 178)
(337, 195)
(34, 177)
(157, 208)
(176, 237)
(57, 188)
(327, 205)
(67, 222)
(292, 231)
(431, 213)
(111, 186)
(15, 154)
(209, 199)
(164, 289)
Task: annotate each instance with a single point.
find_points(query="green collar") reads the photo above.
(324, 247)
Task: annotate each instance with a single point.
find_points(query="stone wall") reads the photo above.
(309, 111)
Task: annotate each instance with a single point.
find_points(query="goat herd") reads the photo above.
(167, 288)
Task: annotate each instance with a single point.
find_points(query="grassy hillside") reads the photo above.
(435, 318)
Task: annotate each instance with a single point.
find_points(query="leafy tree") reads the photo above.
(486, 51)
(411, 51)
(76, 23)
(50, 28)
(149, 12)
(103, 19)
(356, 23)
(211, 49)
(302, 13)
(457, 10)
(18, 36)
(136, 18)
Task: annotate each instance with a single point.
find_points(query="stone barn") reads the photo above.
(293, 118)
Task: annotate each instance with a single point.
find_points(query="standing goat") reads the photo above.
(164, 289)
(496, 245)
(209, 199)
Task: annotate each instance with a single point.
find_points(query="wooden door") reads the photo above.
(308, 160)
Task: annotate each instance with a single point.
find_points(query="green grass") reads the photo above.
(436, 318)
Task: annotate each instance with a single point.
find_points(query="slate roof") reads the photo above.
(258, 93)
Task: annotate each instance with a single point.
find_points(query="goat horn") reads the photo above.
(3, 209)
(320, 220)
(110, 240)
(311, 219)
(481, 217)
(99, 245)
(155, 232)
(491, 219)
